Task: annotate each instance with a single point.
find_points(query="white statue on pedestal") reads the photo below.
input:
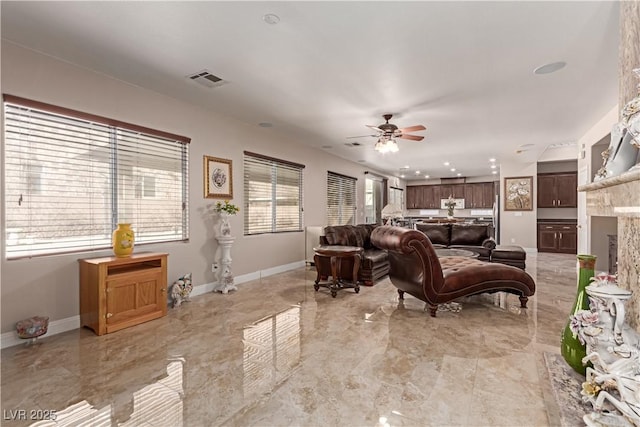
(225, 240)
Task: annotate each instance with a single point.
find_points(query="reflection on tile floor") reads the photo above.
(276, 353)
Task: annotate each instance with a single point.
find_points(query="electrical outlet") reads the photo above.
(214, 267)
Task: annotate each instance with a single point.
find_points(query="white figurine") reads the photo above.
(181, 290)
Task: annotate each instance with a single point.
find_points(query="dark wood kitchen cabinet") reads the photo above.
(558, 237)
(414, 197)
(558, 190)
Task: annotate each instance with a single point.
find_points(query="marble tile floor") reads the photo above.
(277, 353)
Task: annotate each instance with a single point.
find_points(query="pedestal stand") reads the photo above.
(225, 278)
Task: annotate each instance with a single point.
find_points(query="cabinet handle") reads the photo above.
(566, 228)
(560, 236)
(554, 203)
(163, 290)
(548, 227)
(108, 315)
(555, 236)
(558, 202)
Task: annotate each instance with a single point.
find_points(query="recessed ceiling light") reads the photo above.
(265, 125)
(446, 163)
(493, 166)
(453, 169)
(271, 18)
(417, 172)
(550, 68)
(494, 172)
(492, 160)
(426, 176)
(459, 174)
(405, 167)
(401, 176)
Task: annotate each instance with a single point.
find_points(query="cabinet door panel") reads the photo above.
(458, 191)
(487, 195)
(547, 241)
(567, 192)
(478, 196)
(121, 300)
(568, 242)
(147, 297)
(547, 191)
(468, 196)
(446, 191)
(427, 195)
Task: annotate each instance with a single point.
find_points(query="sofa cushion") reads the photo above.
(439, 234)
(365, 231)
(371, 257)
(343, 235)
(468, 234)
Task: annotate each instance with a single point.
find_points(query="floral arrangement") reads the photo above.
(582, 319)
(450, 204)
(226, 207)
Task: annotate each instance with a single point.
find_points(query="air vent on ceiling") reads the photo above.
(207, 79)
(352, 144)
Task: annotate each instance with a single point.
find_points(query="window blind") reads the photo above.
(341, 199)
(272, 195)
(70, 180)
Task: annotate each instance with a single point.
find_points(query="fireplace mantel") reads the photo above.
(619, 196)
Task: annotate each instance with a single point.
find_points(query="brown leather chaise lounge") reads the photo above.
(415, 269)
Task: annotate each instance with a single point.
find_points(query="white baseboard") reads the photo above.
(531, 250)
(9, 339)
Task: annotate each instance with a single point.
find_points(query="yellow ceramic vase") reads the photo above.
(123, 239)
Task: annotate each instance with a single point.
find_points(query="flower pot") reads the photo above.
(122, 240)
(571, 348)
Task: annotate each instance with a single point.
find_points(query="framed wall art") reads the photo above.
(218, 178)
(518, 193)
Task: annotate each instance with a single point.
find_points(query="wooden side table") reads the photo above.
(335, 253)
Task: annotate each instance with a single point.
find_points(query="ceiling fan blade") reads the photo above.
(360, 136)
(412, 137)
(412, 128)
(376, 128)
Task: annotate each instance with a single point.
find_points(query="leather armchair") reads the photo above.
(414, 268)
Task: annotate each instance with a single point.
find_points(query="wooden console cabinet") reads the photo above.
(116, 293)
(558, 237)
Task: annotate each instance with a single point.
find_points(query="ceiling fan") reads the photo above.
(387, 132)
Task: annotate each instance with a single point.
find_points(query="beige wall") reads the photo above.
(518, 227)
(49, 285)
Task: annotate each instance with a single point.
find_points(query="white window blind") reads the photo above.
(71, 177)
(272, 195)
(341, 199)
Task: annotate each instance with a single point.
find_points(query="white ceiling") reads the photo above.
(462, 69)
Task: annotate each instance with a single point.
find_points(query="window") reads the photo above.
(374, 198)
(272, 195)
(70, 177)
(341, 199)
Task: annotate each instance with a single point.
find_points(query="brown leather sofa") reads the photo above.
(374, 264)
(472, 237)
(414, 268)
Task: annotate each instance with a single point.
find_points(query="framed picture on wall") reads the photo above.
(518, 193)
(218, 178)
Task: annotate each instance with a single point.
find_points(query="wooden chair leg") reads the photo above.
(523, 302)
(432, 310)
